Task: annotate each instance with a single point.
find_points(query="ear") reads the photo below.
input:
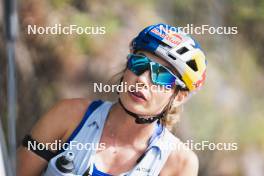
(180, 97)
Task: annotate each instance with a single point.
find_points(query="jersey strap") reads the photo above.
(93, 106)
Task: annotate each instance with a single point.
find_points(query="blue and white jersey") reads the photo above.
(90, 131)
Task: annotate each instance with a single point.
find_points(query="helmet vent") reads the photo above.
(174, 58)
(182, 50)
(192, 64)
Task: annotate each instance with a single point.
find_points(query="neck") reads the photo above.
(125, 129)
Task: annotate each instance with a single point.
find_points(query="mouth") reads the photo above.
(138, 96)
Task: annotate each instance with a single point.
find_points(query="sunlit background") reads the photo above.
(229, 108)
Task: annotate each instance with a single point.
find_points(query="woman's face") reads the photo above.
(149, 98)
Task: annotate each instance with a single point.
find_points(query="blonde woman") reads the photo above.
(164, 67)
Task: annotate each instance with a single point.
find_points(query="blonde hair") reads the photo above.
(172, 115)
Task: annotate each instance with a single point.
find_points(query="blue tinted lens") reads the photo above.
(161, 75)
(138, 64)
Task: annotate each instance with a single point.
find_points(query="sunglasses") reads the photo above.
(160, 75)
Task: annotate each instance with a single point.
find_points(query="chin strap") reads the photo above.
(140, 120)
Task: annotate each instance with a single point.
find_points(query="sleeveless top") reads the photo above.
(89, 131)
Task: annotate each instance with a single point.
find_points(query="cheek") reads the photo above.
(160, 99)
(128, 79)
(128, 76)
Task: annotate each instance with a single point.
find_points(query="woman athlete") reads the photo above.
(165, 66)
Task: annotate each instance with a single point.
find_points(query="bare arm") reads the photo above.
(191, 165)
(56, 124)
(181, 162)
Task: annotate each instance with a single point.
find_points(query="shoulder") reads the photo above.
(62, 118)
(181, 161)
(54, 125)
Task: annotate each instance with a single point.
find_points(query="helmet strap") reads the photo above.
(141, 120)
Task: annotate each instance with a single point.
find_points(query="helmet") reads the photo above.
(177, 48)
